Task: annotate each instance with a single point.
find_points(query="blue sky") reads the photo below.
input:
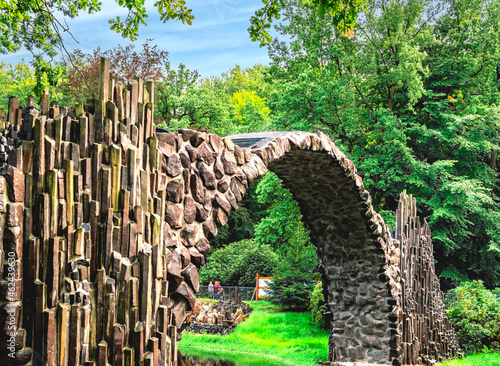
(217, 40)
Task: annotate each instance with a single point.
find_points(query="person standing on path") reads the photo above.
(210, 291)
(216, 290)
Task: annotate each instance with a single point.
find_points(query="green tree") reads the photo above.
(293, 279)
(231, 103)
(185, 101)
(283, 229)
(281, 223)
(15, 80)
(412, 99)
(318, 306)
(250, 111)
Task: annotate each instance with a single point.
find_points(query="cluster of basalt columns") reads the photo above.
(106, 223)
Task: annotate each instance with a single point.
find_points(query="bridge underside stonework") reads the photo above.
(106, 223)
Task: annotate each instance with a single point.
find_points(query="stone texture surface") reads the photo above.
(111, 233)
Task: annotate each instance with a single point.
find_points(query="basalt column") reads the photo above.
(427, 333)
(84, 250)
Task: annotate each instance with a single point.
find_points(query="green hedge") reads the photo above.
(238, 263)
(475, 314)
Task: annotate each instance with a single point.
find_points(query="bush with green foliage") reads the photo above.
(238, 263)
(475, 314)
(317, 305)
(293, 280)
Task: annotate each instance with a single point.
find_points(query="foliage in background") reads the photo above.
(234, 102)
(15, 80)
(293, 279)
(283, 229)
(238, 263)
(343, 15)
(413, 100)
(281, 223)
(317, 305)
(270, 214)
(475, 315)
(183, 100)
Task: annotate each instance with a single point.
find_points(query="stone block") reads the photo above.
(174, 215)
(189, 210)
(15, 184)
(175, 191)
(202, 246)
(14, 215)
(197, 258)
(209, 229)
(191, 276)
(174, 166)
(189, 235)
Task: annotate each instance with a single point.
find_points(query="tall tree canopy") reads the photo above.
(413, 99)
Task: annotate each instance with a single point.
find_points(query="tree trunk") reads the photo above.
(493, 161)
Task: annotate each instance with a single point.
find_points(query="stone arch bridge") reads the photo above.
(105, 224)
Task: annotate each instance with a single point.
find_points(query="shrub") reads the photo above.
(475, 314)
(293, 280)
(238, 263)
(317, 305)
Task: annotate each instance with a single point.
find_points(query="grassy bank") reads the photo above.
(281, 338)
(480, 359)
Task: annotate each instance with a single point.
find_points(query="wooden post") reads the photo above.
(257, 288)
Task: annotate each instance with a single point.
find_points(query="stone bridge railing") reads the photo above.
(105, 225)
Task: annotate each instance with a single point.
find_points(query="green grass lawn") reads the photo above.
(279, 338)
(480, 359)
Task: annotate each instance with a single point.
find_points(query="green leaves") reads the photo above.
(168, 10)
(233, 103)
(343, 15)
(238, 263)
(317, 305)
(475, 314)
(413, 100)
(18, 80)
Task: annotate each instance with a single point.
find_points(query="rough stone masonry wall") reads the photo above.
(105, 224)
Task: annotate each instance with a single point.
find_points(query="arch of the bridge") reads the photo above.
(383, 294)
(353, 246)
(351, 240)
